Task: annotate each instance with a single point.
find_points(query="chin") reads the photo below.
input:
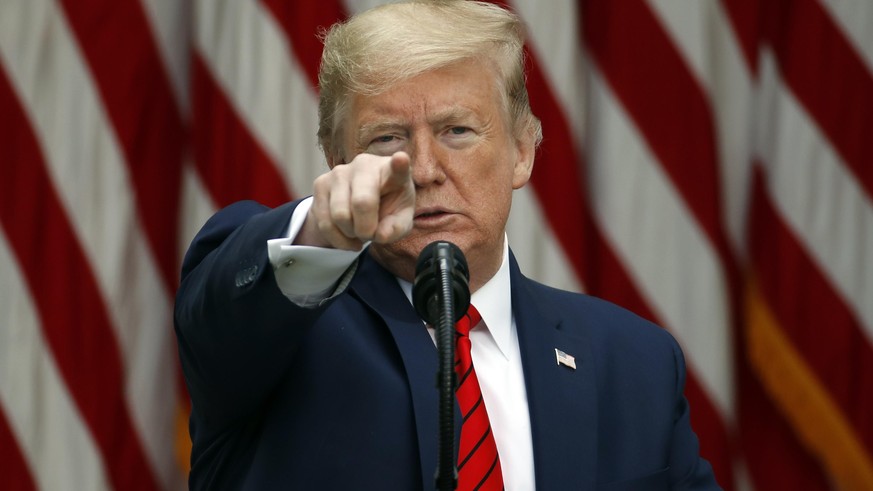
(418, 243)
(400, 257)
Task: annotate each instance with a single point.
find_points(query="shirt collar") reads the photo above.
(493, 301)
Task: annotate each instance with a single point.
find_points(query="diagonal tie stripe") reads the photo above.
(478, 461)
(473, 409)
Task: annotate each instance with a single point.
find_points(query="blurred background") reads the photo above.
(707, 164)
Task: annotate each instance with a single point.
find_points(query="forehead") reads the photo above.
(470, 88)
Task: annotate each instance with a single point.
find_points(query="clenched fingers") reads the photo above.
(370, 198)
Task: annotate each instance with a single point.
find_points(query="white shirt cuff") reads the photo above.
(306, 274)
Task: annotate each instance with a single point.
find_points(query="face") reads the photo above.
(466, 161)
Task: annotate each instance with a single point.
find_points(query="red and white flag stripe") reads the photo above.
(706, 164)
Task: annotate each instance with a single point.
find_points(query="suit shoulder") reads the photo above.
(228, 220)
(627, 349)
(599, 318)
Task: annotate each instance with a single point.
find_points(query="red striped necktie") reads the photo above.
(478, 462)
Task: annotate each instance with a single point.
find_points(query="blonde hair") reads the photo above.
(376, 49)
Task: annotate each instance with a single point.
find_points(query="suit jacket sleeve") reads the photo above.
(237, 332)
(688, 471)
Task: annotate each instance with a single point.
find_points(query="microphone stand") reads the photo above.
(442, 286)
(447, 379)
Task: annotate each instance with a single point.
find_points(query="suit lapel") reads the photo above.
(377, 288)
(562, 401)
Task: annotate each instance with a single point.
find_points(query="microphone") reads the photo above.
(441, 262)
(441, 296)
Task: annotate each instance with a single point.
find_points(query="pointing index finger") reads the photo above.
(399, 170)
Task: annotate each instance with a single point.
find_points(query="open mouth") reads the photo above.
(429, 214)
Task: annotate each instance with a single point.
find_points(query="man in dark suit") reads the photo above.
(307, 365)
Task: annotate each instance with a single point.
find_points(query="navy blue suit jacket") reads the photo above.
(342, 396)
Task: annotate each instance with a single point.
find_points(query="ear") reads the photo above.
(524, 159)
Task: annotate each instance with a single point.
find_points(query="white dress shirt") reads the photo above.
(306, 275)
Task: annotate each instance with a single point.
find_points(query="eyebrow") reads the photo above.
(439, 119)
(452, 114)
(368, 130)
(379, 127)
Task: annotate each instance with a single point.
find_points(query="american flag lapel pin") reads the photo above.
(565, 359)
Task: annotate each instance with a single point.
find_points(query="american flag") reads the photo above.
(707, 164)
(564, 359)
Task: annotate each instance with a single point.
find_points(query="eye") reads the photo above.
(383, 139)
(386, 144)
(459, 130)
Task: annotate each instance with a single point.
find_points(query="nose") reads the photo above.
(427, 160)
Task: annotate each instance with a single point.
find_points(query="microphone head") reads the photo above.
(436, 259)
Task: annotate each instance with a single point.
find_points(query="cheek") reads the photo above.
(485, 179)
(492, 202)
